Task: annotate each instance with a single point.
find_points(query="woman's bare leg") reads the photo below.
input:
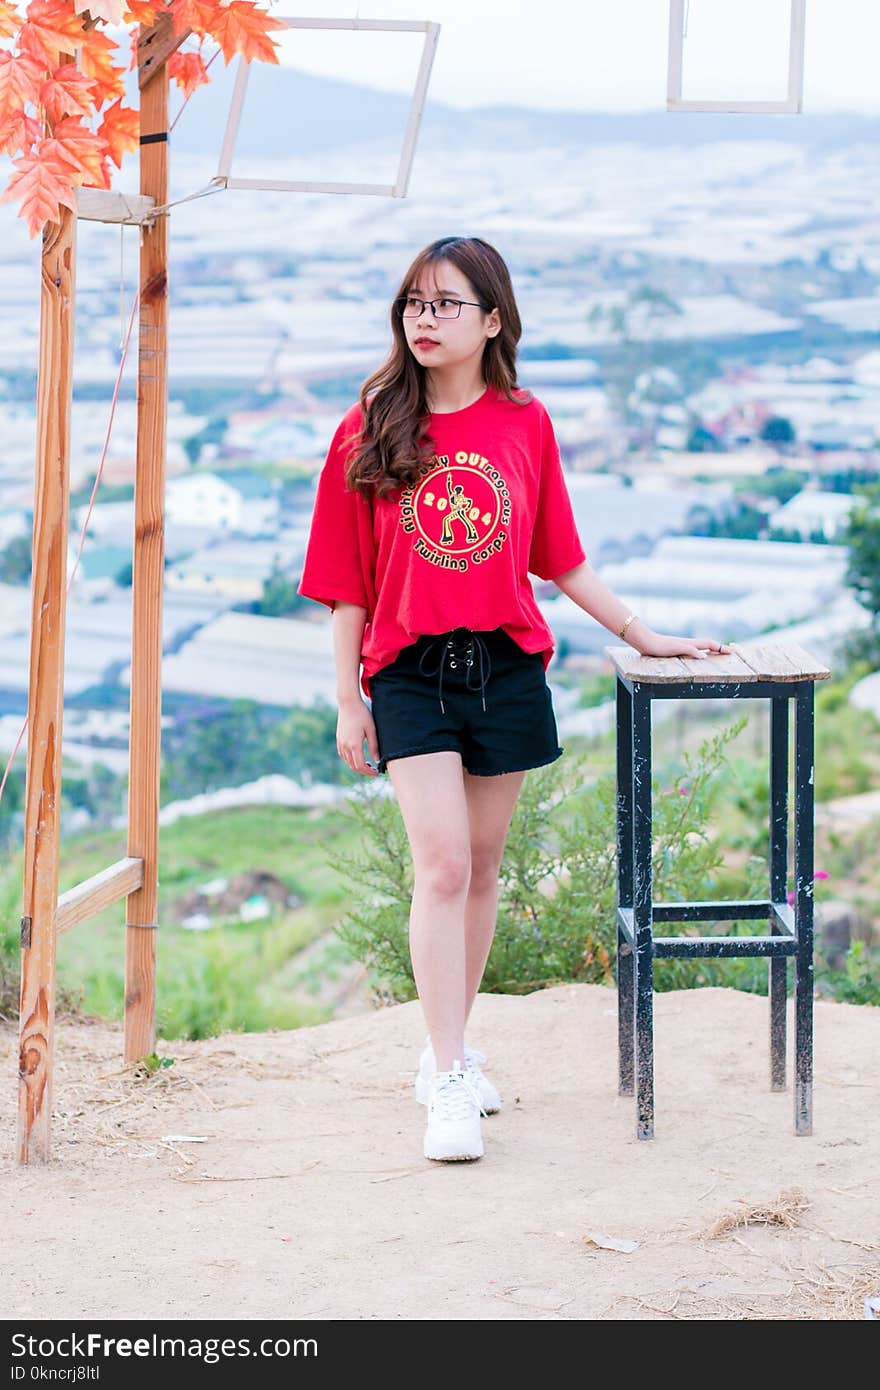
(430, 792)
(490, 803)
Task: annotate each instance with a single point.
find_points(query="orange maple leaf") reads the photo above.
(20, 78)
(96, 60)
(103, 180)
(200, 15)
(51, 28)
(188, 71)
(43, 186)
(68, 92)
(18, 132)
(144, 12)
(10, 20)
(240, 27)
(81, 147)
(120, 129)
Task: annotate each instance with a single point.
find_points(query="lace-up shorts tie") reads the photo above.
(475, 693)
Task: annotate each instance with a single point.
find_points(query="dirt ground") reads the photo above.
(280, 1174)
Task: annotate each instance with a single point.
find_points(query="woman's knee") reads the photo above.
(443, 871)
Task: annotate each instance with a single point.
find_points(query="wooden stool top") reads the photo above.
(747, 661)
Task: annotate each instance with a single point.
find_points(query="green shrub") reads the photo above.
(859, 980)
(595, 690)
(557, 885)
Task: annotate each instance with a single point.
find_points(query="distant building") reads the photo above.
(275, 661)
(97, 635)
(615, 521)
(109, 521)
(813, 510)
(730, 589)
(234, 502)
(112, 524)
(234, 569)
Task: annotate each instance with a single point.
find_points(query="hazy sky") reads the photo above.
(598, 54)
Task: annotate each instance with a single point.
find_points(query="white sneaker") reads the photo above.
(454, 1108)
(489, 1097)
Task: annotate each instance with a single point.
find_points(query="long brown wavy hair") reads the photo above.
(394, 443)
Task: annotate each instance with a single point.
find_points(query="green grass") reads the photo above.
(235, 976)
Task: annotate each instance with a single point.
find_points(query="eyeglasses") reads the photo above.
(410, 306)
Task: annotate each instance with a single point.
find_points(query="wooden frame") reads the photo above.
(401, 183)
(135, 877)
(792, 103)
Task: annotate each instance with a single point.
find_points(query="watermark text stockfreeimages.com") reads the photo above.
(94, 1346)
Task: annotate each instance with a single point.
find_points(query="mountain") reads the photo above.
(288, 111)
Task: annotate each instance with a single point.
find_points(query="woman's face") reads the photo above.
(446, 342)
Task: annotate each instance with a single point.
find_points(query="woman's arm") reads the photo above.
(583, 585)
(349, 621)
(355, 725)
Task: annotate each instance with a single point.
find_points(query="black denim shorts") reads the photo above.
(477, 693)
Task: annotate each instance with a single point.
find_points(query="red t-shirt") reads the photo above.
(457, 548)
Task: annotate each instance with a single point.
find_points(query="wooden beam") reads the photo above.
(46, 682)
(155, 47)
(95, 893)
(148, 558)
(105, 205)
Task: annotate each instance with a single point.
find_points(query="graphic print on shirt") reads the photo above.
(458, 512)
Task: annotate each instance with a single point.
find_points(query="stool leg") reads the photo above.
(643, 956)
(778, 880)
(803, 874)
(625, 959)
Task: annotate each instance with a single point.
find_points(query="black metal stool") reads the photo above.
(780, 672)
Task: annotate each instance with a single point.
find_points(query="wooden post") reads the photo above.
(148, 560)
(46, 686)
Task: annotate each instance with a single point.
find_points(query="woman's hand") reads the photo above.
(658, 644)
(354, 725)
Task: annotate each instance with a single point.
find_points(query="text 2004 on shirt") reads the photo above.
(457, 548)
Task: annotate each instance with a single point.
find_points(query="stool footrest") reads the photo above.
(687, 946)
(782, 943)
(737, 911)
(744, 909)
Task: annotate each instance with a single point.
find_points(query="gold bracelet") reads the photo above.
(630, 619)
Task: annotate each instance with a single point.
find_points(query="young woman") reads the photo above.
(441, 492)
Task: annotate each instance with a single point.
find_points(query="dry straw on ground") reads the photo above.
(784, 1210)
